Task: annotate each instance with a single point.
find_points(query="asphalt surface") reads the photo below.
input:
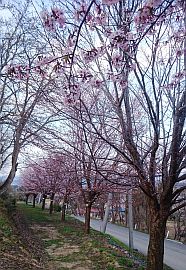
(175, 252)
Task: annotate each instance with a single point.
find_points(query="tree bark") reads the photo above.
(126, 211)
(157, 229)
(43, 201)
(34, 200)
(27, 195)
(102, 212)
(63, 211)
(63, 208)
(107, 212)
(51, 203)
(87, 218)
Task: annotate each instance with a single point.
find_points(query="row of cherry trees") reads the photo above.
(86, 172)
(51, 176)
(118, 89)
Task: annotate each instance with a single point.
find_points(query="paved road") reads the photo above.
(175, 252)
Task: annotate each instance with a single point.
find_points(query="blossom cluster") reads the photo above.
(71, 98)
(144, 17)
(177, 78)
(118, 40)
(71, 40)
(50, 20)
(117, 78)
(18, 71)
(85, 75)
(110, 2)
(96, 82)
(97, 19)
(117, 60)
(92, 54)
(92, 18)
(122, 39)
(80, 11)
(22, 72)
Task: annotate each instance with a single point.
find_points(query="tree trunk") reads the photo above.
(102, 211)
(34, 200)
(27, 195)
(51, 203)
(63, 208)
(157, 229)
(87, 218)
(126, 211)
(107, 212)
(43, 201)
(63, 211)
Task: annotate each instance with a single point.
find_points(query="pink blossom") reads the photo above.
(71, 41)
(97, 83)
(80, 11)
(92, 54)
(153, 3)
(101, 19)
(71, 99)
(118, 39)
(110, 2)
(18, 71)
(51, 19)
(49, 22)
(144, 17)
(133, 66)
(130, 36)
(108, 31)
(179, 52)
(85, 75)
(58, 16)
(123, 83)
(117, 60)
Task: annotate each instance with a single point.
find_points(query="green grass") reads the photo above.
(125, 262)
(36, 215)
(5, 227)
(5, 224)
(56, 242)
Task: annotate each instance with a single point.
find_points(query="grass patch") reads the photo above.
(51, 242)
(125, 262)
(36, 215)
(5, 228)
(5, 223)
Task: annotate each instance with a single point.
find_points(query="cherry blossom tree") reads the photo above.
(64, 170)
(42, 178)
(51, 176)
(33, 181)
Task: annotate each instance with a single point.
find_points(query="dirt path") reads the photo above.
(59, 251)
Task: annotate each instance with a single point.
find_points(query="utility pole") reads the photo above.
(130, 220)
(107, 210)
